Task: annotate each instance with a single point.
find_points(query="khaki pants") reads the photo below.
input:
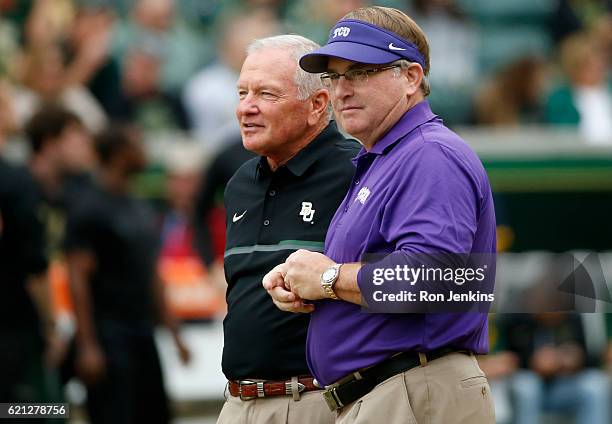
(449, 390)
(310, 409)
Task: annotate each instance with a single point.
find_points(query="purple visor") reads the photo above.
(362, 42)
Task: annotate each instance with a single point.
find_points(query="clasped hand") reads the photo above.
(296, 281)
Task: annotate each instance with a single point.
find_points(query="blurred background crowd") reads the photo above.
(527, 81)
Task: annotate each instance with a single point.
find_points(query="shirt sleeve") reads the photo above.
(430, 215)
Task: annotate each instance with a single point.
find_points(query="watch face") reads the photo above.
(329, 274)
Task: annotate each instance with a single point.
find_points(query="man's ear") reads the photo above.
(319, 102)
(414, 77)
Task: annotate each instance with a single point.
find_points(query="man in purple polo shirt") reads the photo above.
(419, 194)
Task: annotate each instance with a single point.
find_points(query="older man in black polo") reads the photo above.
(277, 203)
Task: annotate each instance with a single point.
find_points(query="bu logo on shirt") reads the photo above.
(341, 32)
(307, 211)
(363, 194)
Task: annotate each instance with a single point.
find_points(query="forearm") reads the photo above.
(38, 290)
(83, 309)
(164, 315)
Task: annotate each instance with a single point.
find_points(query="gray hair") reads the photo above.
(297, 46)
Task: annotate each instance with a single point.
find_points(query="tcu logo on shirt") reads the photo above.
(341, 32)
(307, 211)
(363, 194)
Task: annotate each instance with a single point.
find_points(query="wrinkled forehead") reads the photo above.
(268, 65)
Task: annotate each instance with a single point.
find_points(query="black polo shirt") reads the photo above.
(122, 233)
(270, 215)
(22, 247)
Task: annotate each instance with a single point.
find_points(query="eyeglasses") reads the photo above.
(354, 75)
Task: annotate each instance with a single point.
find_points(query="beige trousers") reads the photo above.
(449, 390)
(310, 409)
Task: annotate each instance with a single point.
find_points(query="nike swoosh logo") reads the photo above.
(238, 217)
(392, 47)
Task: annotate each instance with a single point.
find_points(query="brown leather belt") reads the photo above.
(247, 389)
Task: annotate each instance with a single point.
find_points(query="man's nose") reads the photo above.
(342, 88)
(247, 106)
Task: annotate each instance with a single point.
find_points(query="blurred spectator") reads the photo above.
(574, 16)
(89, 50)
(111, 248)
(513, 96)
(142, 99)
(314, 18)
(8, 120)
(9, 47)
(60, 161)
(48, 22)
(602, 32)
(558, 372)
(453, 47)
(209, 216)
(584, 98)
(195, 291)
(156, 23)
(43, 79)
(27, 331)
(210, 96)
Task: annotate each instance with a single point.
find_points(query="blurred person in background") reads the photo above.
(574, 16)
(142, 99)
(43, 79)
(157, 23)
(276, 203)
(209, 216)
(314, 18)
(111, 244)
(558, 372)
(27, 328)
(196, 291)
(513, 96)
(88, 46)
(602, 32)
(583, 98)
(61, 162)
(44, 73)
(209, 96)
(454, 57)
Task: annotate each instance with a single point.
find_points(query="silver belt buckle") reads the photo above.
(245, 382)
(331, 398)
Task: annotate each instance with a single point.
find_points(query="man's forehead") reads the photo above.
(259, 68)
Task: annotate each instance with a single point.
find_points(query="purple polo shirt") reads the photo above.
(421, 189)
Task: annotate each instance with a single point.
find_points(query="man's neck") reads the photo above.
(278, 160)
(390, 120)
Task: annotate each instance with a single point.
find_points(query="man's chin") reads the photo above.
(352, 126)
(252, 143)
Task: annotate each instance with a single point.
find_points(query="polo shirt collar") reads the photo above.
(306, 157)
(413, 118)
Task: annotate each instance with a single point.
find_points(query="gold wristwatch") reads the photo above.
(329, 278)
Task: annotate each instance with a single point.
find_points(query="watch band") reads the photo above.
(328, 287)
